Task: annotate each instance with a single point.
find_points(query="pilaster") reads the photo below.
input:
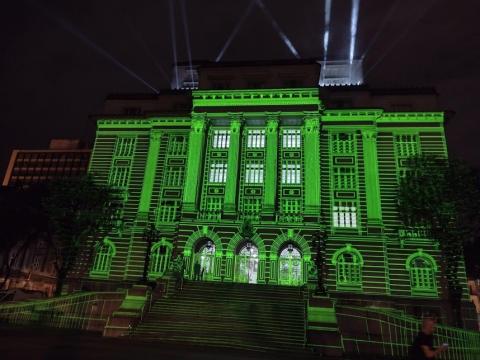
(150, 169)
(312, 164)
(196, 150)
(232, 167)
(270, 188)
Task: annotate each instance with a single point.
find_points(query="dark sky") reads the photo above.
(51, 80)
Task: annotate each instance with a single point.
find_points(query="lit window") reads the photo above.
(254, 173)
(221, 139)
(218, 172)
(345, 215)
(256, 139)
(290, 173)
(291, 138)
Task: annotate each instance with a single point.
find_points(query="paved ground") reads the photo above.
(31, 343)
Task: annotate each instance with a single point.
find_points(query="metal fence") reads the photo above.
(83, 311)
(390, 333)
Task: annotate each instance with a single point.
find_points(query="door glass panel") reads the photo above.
(247, 265)
(290, 264)
(206, 258)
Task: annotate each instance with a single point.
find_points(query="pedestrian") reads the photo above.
(201, 274)
(422, 347)
(196, 271)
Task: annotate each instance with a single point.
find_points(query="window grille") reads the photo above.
(36, 263)
(252, 205)
(344, 178)
(345, 214)
(349, 269)
(159, 258)
(254, 173)
(125, 147)
(103, 258)
(291, 206)
(291, 172)
(221, 139)
(422, 275)
(177, 145)
(168, 210)
(119, 176)
(174, 175)
(291, 138)
(256, 139)
(343, 143)
(406, 145)
(218, 172)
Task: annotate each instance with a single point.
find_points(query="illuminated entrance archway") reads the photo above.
(290, 264)
(205, 256)
(246, 264)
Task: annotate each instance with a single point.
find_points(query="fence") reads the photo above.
(83, 311)
(389, 333)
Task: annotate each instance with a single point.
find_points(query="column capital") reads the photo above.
(235, 122)
(199, 122)
(155, 135)
(369, 134)
(272, 122)
(312, 123)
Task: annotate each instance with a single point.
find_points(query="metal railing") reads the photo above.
(83, 311)
(391, 332)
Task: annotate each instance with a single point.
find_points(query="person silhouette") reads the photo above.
(196, 271)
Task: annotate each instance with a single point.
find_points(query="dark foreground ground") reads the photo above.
(41, 343)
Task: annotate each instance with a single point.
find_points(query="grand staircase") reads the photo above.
(256, 317)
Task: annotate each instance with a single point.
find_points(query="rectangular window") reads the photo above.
(119, 176)
(291, 138)
(177, 145)
(406, 145)
(168, 210)
(290, 173)
(221, 139)
(174, 176)
(214, 204)
(252, 205)
(291, 206)
(344, 178)
(125, 146)
(218, 172)
(254, 173)
(256, 139)
(345, 214)
(343, 143)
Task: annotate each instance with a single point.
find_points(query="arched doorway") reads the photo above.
(290, 266)
(205, 255)
(246, 263)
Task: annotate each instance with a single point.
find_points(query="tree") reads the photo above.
(442, 197)
(150, 235)
(80, 212)
(23, 223)
(246, 230)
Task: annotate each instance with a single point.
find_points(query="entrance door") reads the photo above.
(206, 257)
(246, 269)
(290, 264)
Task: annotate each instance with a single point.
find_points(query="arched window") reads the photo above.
(290, 266)
(105, 251)
(159, 258)
(348, 263)
(422, 268)
(247, 263)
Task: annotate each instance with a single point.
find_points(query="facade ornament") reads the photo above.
(312, 123)
(199, 122)
(272, 122)
(235, 122)
(155, 135)
(370, 135)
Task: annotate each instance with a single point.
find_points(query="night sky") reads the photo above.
(51, 80)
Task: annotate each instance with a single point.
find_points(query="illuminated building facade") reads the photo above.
(291, 160)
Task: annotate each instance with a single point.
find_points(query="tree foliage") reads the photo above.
(442, 196)
(79, 210)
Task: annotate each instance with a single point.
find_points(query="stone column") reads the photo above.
(374, 210)
(150, 169)
(312, 165)
(270, 191)
(196, 148)
(230, 201)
